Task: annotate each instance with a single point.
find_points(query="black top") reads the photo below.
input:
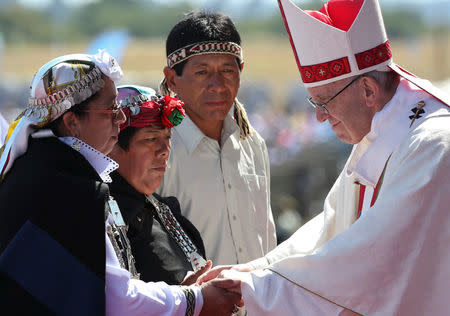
(52, 233)
(158, 257)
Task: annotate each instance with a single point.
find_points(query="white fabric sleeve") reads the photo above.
(126, 296)
(303, 241)
(259, 263)
(260, 287)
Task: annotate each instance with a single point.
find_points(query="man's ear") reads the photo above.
(371, 91)
(71, 124)
(170, 74)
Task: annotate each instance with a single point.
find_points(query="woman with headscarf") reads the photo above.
(165, 244)
(55, 206)
(53, 194)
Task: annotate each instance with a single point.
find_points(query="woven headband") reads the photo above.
(211, 47)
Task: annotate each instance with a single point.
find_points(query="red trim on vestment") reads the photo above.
(374, 56)
(415, 80)
(362, 190)
(375, 192)
(6, 163)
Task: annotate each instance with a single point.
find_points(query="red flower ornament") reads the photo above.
(173, 112)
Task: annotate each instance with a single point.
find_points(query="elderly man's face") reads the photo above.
(348, 115)
(208, 86)
(100, 130)
(144, 163)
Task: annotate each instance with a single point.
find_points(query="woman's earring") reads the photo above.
(76, 144)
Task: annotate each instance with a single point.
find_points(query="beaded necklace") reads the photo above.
(175, 230)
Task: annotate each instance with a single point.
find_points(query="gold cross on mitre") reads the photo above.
(418, 110)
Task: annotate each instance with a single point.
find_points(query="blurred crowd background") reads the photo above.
(305, 156)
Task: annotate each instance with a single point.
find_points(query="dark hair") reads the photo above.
(56, 125)
(125, 136)
(200, 26)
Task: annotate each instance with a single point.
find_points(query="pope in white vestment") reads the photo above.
(380, 246)
(394, 259)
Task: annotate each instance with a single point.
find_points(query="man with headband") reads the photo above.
(219, 167)
(380, 247)
(55, 201)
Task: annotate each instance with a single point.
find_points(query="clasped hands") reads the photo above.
(221, 294)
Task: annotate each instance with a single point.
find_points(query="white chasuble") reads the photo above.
(393, 260)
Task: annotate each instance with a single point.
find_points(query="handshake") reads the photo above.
(221, 294)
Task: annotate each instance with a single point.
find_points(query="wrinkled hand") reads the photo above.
(192, 277)
(220, 297)
(214, 272)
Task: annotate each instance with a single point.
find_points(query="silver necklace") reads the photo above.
(117, 233)
(175, 230)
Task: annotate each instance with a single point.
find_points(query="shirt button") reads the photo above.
(234, 217)
(240, 249)
(229, 185)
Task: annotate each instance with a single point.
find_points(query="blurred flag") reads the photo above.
(2, 45)
(114, 41)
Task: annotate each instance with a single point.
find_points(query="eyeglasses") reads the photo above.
(115, 111)
(316, 105)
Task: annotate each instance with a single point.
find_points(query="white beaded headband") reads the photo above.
(133, 102)
(43, 108)
(48, 108)
(211, 47)
(52, 106)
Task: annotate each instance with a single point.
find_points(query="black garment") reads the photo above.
(158, 257)
(52, 233)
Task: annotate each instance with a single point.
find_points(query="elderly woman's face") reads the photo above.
(100, 130)
(144, 163)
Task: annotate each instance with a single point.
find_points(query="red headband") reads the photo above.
(159, 111)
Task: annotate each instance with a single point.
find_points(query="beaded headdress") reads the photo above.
(58, 85)
(143, 107)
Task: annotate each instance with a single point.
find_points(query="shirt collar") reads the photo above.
(191, 135)
(101, 163)
(230, 126)
(388, 129)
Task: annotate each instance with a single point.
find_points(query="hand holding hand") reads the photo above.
(214, 272)
(220, 297)
(191, 278)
